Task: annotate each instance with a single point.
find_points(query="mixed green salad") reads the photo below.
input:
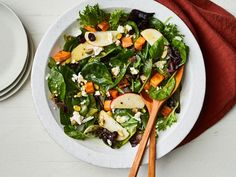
(97, 78)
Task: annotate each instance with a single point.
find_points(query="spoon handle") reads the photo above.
(152, 154)
(142, 145)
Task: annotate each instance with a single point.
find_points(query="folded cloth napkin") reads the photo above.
(215, 31)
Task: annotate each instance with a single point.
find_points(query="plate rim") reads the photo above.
(19, 65)
(58, 135)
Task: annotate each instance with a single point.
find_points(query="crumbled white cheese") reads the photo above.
(115, 71)
(74, 77)
(158, 88)
(97, 93)
(79, 78)
(134, 71)
(128, 27)
(57, 63)
(97, 50)
(137, 116)
(122, 119)
(87, 119)
(117, 42)
(160, 64)
(77, 118)
(121, 29)
(143, 78)
(127, 35)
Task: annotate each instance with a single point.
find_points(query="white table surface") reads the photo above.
(26, 150)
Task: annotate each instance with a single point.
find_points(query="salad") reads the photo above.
(97, 77)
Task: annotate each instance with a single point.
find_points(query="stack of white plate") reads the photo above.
(16, 53)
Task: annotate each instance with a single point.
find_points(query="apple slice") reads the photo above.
(102, 38)
(81, 52)
(128, 101)
(110, 124)
(151, 35)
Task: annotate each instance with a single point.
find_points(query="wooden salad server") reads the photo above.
(156, 105)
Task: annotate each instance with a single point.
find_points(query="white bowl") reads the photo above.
(94, 151)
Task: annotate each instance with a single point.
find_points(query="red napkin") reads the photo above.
(215, 31)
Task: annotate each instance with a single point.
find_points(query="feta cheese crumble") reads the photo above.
(115, 71)
(121, 29)
(128, 27)
(76, 118)
(97, 93)
(134, 71)
(160, 64)
(137, 116)
(79, 78)
(117, 42)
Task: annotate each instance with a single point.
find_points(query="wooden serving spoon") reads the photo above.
(156, 105)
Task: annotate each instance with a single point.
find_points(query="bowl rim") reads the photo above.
(41, 102)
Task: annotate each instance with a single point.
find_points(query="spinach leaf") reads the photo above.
(67, 74)
(182, 48)
(157, 48)
(147, 71)
(135, 27)
(92, 15)
(70, 43)
(165, 122)
(98, 73)
(72, 132)
(56, 84)
(64, 117)
(157, 24)
(121, 59)
(117, 17)
(164, 92)
(51, 63)
(131, 126)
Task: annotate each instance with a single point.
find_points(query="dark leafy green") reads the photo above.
(157, 48)
(70, 43)
(147, 71)
(164, 122)
(157, 24)
(118, 17)
(182, 48)
(165, 91)
(72, 132)
(92, 15)
(131, 127)
(56, 84)
(98, 73)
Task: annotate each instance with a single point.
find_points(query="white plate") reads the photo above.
(94, 151)
(13, 46)
(20, 80)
